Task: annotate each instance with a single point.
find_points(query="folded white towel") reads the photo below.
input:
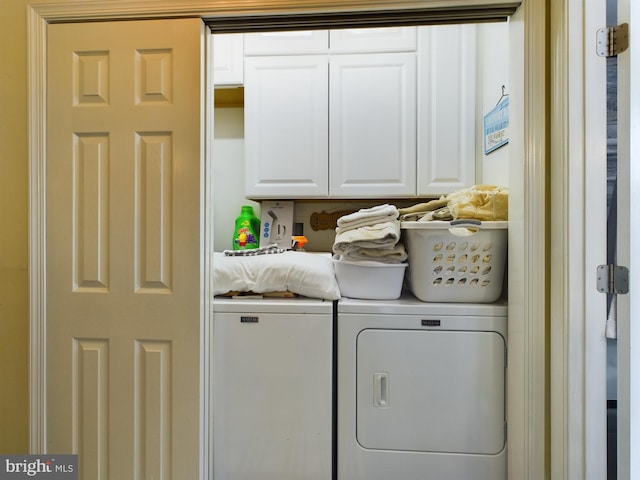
(367, 216)
(381, 235)
(396, 254)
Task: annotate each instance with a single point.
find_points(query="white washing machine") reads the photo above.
(273, 389)
(421, 390)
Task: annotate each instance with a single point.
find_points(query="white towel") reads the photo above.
(381, 235)
(367, 216)
(611, 330)
(397, 254)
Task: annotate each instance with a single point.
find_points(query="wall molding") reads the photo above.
(534, 235)
(37, 234)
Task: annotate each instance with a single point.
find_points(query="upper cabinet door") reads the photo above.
(372, 127)
(286, 43)
(286, 124)
(228, 59)
(378, 40)
(446, 108)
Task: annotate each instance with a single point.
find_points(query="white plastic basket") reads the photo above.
(459, 261)
(369, 279)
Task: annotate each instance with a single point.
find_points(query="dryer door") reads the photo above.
(431, 391)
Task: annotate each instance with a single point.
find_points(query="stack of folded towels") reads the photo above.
(370, 234)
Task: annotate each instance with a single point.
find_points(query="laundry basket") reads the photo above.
(458, 261)
(368, 279)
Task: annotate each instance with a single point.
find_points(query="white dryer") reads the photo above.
(421, 390)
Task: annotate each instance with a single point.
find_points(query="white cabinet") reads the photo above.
(228, 57)
(446, 108)
(296, 42)
(372, 129)
(286, 126)
(361, 125)
(336, 125)
(373, 40)
(348, 40)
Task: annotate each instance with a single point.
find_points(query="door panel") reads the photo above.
(372, 131)
(273, 396)
(455, 404)
(446, 114)
(123, 246)
(286, 126)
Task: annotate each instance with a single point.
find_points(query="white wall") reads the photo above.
(228, 171)
(492, 74)
(228, 150)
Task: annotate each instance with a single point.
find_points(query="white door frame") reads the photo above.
(578, 422)
(527, 382)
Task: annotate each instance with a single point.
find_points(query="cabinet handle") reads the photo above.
(380, 389)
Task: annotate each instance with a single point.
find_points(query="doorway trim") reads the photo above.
(528, 383)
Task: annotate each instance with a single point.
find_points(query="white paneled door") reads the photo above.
(123, 246)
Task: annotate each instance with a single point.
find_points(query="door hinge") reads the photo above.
(612, 279)
(611, 41)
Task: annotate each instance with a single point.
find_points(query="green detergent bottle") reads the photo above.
(246, 233)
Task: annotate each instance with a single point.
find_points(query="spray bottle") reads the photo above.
(298, 240)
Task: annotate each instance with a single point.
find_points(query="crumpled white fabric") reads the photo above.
(308, 274)
(611, 327)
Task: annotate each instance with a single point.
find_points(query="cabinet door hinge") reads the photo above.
(611, 41)
(612, 279)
